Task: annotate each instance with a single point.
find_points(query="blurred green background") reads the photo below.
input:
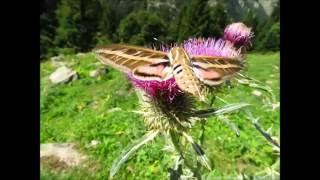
(99, 108)
(69, 26)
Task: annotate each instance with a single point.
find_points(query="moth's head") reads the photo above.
(176, 54)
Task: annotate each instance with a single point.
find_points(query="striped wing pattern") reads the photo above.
(213, 70)
(142, 62)
(148, 64)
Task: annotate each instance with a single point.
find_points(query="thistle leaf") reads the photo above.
(258, 85)
(226, 109)
(231, 125)
(130, 150)
(230, 108)
(265, 134)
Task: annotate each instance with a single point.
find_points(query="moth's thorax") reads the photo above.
(183, 72)
(178, 55)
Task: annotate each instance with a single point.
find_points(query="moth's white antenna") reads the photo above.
(161, 43)
(156, 39)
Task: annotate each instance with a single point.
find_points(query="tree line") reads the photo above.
(70, 26)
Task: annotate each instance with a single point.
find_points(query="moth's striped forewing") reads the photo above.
(214, 70)
(143, 63)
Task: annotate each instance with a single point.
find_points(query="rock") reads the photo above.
(256, 93)
(57, 64)
(64, 153)
(56, 58)
(97, 72)
(56, 61)
(63, 75)
(94, 73)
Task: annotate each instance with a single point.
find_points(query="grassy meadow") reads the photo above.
(102, 108)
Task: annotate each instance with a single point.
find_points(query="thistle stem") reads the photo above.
(178, 149)
(203, 123)
(202, 131)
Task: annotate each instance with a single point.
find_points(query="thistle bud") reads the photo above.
(238, 34)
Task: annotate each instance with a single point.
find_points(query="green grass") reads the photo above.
(79, 112)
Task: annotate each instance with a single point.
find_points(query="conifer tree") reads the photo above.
(78, 24)
(48, 24)
(271, 41)
(269, 35)
(202, 21)
(140, 28)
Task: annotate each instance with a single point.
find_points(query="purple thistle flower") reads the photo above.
(206, 47)
(238, 34)
(235, 35)
(168, 88)
(194, 47)
(210, 47)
